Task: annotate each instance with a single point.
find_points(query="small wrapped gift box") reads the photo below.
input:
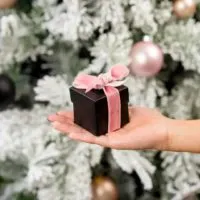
(101, 103)
(91, 109)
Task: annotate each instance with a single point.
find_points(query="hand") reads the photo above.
(147, 130)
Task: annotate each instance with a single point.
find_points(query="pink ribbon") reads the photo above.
(108, 81)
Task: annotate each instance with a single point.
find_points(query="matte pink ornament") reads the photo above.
(146, 59)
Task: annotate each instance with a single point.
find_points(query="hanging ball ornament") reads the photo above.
(103, 188)
(7, 3)
(184, 8)
(7, 91)
(146, 59)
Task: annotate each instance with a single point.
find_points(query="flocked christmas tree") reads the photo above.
(44, 44)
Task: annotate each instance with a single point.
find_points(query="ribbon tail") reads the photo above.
(114, 108)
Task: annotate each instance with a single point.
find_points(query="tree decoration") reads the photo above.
(146, 59)
(184, 8)
(7, 3)
(103, 188)
(35, 158)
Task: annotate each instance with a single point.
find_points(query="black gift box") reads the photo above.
(91, 109)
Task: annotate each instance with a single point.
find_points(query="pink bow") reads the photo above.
(113, 78)
(108, 81)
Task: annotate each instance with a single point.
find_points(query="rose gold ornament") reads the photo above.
(103, 188)
(146, 59)
(7, 3)
(184, 8)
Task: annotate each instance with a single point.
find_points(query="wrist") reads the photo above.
(171, 132)
(176, 134)
(166, 131)
(183, 135)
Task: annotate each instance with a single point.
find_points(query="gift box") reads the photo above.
(91, 109)
(101, 102)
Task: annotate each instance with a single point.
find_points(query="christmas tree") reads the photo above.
(44, 44)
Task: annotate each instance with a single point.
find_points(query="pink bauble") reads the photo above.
(146, 59)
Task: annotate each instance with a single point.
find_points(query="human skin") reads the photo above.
(148, 129)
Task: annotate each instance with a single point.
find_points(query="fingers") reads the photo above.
(63, 122)
(89, 138)
(58, 118)
(83, 137)
(80, 134)
(62, 117)
(67, 114)
(67, 127)
(63, 114)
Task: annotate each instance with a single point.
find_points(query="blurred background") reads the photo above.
(44, 44)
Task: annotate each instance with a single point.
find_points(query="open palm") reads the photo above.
(147, 130)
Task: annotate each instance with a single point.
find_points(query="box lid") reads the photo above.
(98, 95)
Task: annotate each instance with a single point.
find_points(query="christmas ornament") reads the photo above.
(103, 188)
(7, 3)
(184, 8)
(146, 59)
(7, 91)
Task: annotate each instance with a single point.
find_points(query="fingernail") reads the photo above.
(52, 117)
(70, 135)
(59, 113)
(55, 124)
